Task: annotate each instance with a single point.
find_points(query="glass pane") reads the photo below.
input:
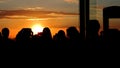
(93, 10)
(96, 11)
(37, 14)
(114, 24)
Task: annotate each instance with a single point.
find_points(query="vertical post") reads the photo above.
(105, 20)
(84, 17)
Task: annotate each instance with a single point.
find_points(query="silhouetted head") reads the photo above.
(93, 26)
(61, 33)
(25, 33)
(72, 32)
(5, 32)
(47, 33)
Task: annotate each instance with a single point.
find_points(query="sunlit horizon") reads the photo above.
(37, 28)
(55, 14)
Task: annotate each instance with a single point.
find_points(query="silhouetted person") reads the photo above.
(60, 39)
(47, 41)
(113, 36)
(5, 33)
(37, 41)
(6, 42)
(92, 36)
(24, 37)
(73, 37)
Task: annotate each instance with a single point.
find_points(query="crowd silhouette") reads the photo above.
(108, 38)
(72, 40)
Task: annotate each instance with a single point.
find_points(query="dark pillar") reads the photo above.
(105, 20)
(84, 17)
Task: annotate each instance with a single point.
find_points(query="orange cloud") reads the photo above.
(33, 8)
(26, 14)
(72, 1)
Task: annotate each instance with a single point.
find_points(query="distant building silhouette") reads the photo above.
(110, 36)
(110, 12)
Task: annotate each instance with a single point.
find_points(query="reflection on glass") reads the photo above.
(96, 11)
(93, 10)
(113, 22)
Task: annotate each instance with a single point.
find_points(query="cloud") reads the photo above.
(3, 1)
(33, 8)
(28, 14)
(72, 1)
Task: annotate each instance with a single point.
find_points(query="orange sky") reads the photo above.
(56, 14)
(55, 24)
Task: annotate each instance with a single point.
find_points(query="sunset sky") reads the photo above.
(56, 14)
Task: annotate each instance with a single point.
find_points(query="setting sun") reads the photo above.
(37, 28)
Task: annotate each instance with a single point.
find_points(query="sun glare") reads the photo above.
(37, 28)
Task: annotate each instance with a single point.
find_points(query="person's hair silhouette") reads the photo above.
(93, 26)
(47, 41)
(47, 33)
(72, 33)
(24, 34)
(24, 37)
(60, 39)
(61, 34)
